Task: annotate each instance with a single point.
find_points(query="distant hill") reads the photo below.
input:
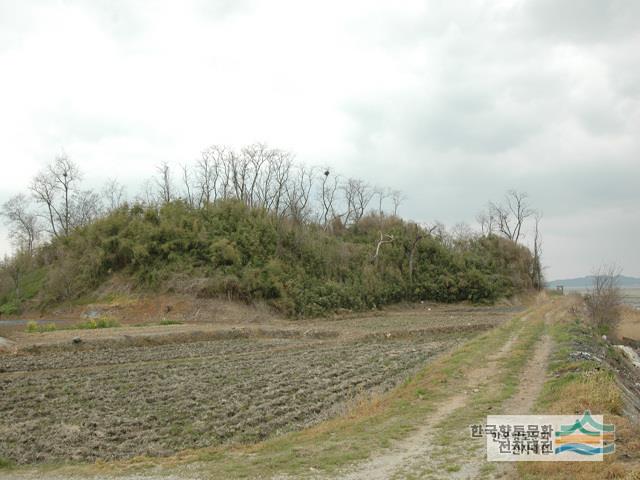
(586, 282)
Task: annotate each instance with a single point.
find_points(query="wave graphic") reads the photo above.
(580, 448)
(583, 449)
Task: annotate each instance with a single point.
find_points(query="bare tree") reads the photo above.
(604, 298)
(537, 252)
(55, 189)
(164, 183)
(65, 174)
(357, 196)
(258, 157)
(188, 188)
(486, 221)
(87, 207)
(24, 224)
(328, 189)
(207, 174)
(239, 167)
(281, 167)
(114, 194)
(298, 192)
(384, 238)
(511, 215)
(147, 195)
(44, 192)
(397, 197)
(381, 193)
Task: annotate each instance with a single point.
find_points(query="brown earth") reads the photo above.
(236, 376)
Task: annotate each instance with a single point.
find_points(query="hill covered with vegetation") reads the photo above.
(235, 247)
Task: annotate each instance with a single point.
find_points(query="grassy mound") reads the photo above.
(249, 254)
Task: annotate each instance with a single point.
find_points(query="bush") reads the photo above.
(604, 299)
(10, 308)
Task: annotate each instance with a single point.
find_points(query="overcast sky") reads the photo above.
(452, 102)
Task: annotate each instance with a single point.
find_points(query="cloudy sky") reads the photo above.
(453, 102)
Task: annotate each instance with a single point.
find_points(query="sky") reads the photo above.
(453, 102)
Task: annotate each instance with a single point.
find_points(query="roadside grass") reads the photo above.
(168, 321)
(103, 322)
(35, 327)
(371, 424)
(578, 385)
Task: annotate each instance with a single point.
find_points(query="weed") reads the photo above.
(35, 327)
(167, 321)
(103, 322)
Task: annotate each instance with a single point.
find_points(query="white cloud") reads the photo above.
(452, 101)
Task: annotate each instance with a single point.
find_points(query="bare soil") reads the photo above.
(157, 390)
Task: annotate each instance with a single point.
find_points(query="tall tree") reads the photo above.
(508, 217)
(56, 188)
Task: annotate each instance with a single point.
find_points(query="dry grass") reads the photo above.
(629, 326)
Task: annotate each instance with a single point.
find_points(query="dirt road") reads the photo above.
(424, 455)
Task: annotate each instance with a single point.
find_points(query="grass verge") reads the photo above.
(104, 322)
(576, 385)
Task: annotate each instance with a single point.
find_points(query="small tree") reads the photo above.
(24, 225)
(536, 268)
(604, 299)
(506, 218)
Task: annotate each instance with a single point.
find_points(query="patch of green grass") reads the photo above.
(5, 463)
(167, 321)
(487, 469)
(103, 322)
(35, 327)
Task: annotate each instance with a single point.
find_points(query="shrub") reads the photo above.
(604, 299)
(10, 308)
